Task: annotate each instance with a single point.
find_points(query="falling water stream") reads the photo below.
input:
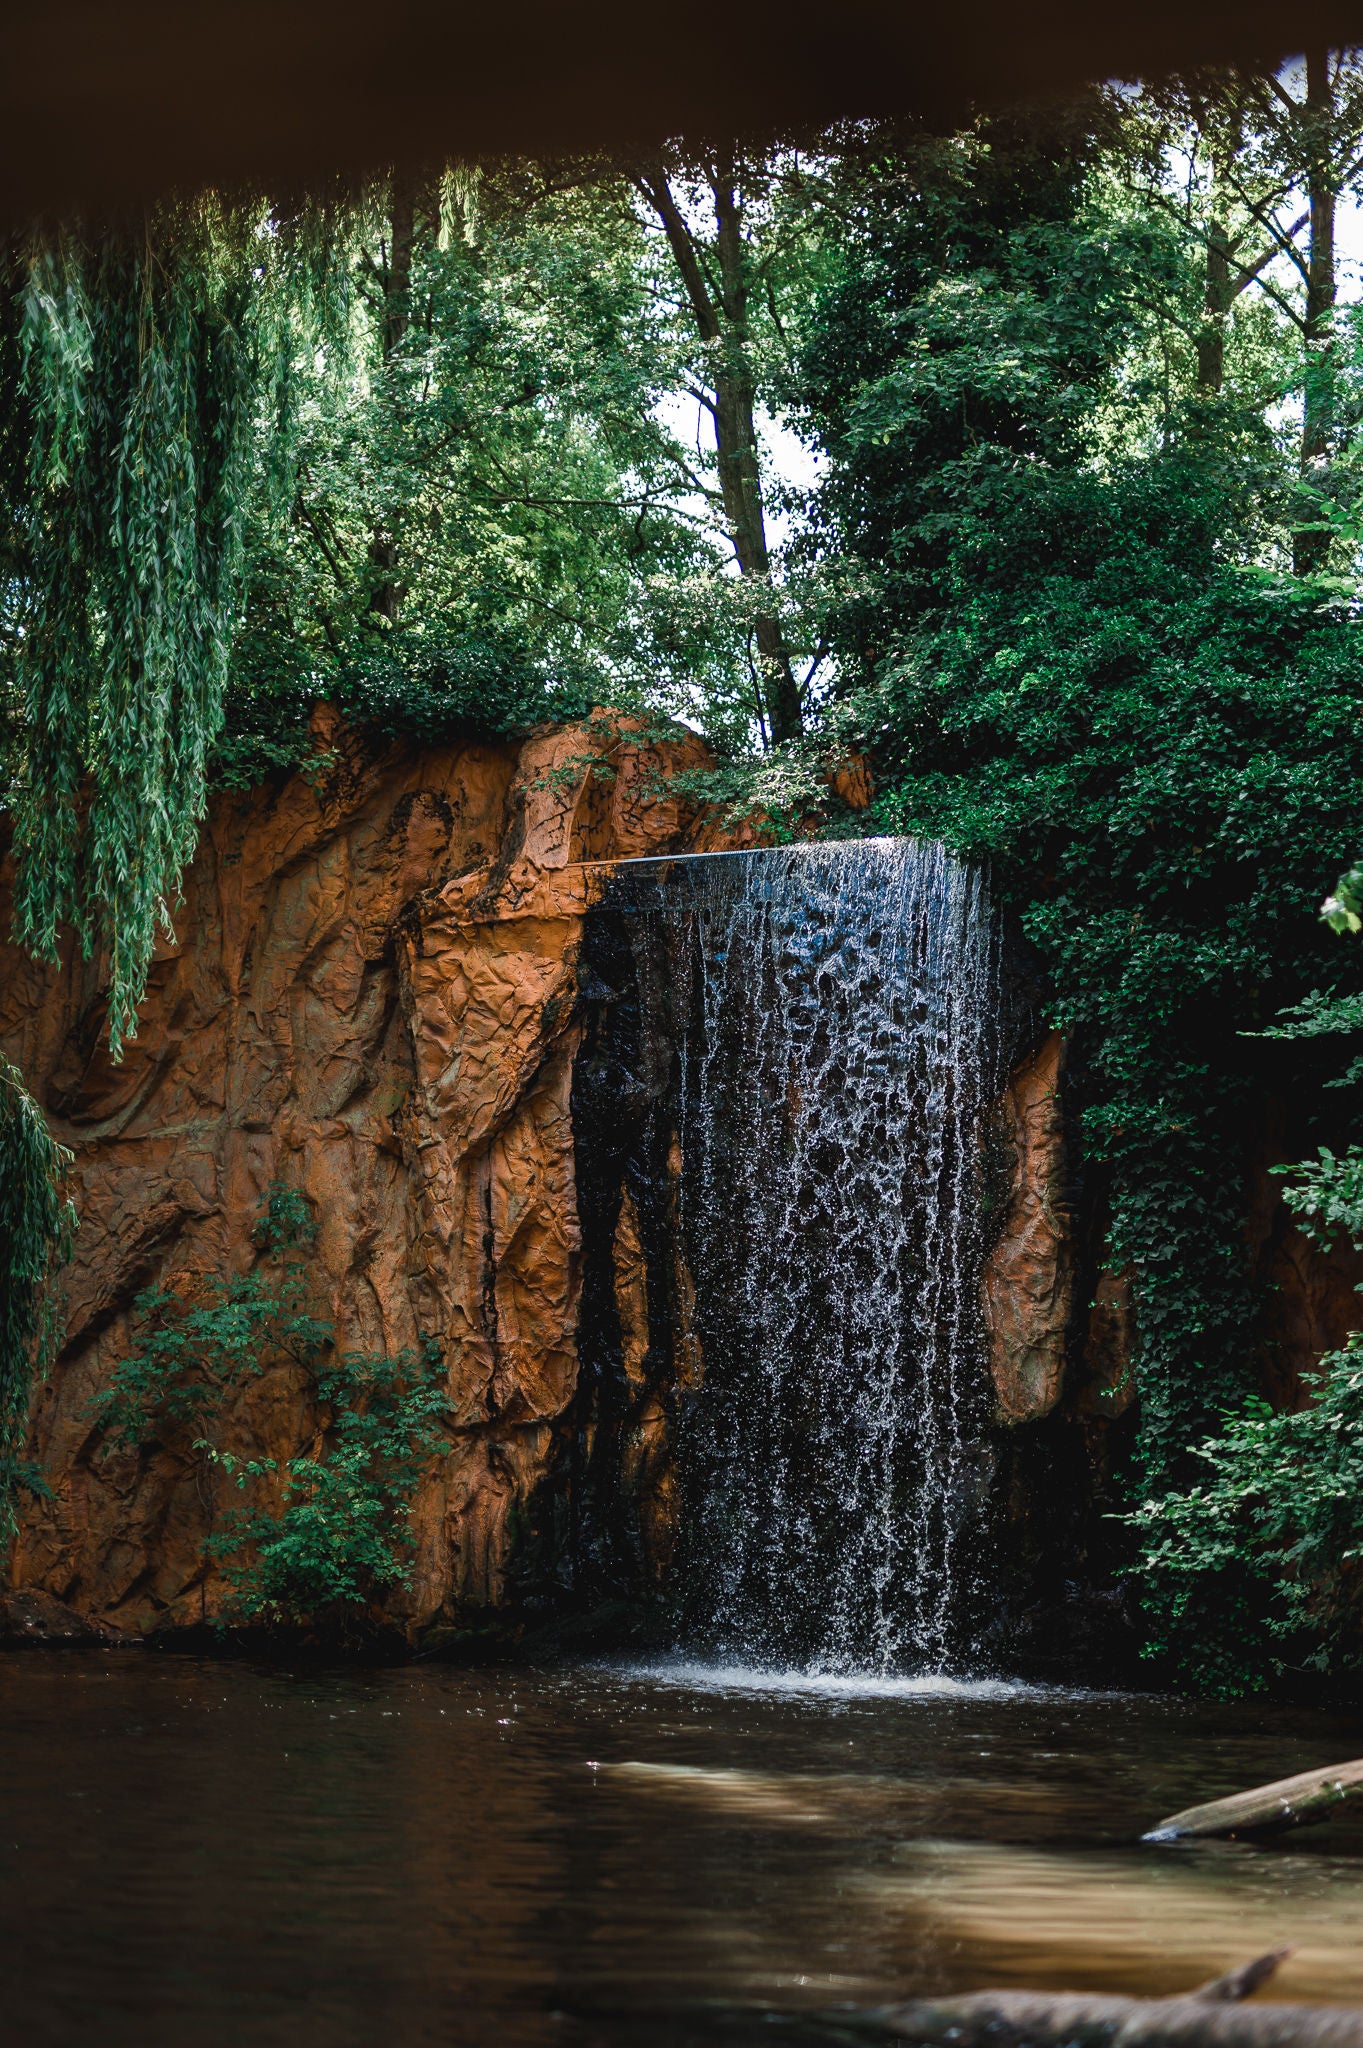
(837, 1007)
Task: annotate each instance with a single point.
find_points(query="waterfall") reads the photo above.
(834, 1009)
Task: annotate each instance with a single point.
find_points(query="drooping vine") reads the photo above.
(133, 369)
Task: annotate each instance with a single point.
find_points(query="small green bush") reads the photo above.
(1272, 1538)
(37, 1222)
(320, 1537)
(192, 1357)
(1270, 1541)
(429, 688)
(340, 1532)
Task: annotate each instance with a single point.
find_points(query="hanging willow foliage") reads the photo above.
(145, 357)
(139, 378)
(129, 386)
(36, 1222)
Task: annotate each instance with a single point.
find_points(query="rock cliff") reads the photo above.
(392, 989)
(371, 998)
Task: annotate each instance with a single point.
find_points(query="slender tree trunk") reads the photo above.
(720, 309)
(385, 599)
(740, 475)
(397, 295)
(1216, 305)
(1310, 550)
(1224, 130)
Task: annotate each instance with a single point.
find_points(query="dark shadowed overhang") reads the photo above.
(105, 101)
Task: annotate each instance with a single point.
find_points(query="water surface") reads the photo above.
(210, 1852)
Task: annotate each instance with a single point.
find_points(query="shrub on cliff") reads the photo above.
(313, 1540)
(36, 1225)
(334, 1533)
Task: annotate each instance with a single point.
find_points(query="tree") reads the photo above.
(1302, 152)
(392, 272)
(1076, 657)
(479, 481)
(725, 270)
(139, 375)
(1269, 156)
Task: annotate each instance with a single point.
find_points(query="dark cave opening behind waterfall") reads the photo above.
(796, 1050)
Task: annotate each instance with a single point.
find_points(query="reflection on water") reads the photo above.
(194, 1851)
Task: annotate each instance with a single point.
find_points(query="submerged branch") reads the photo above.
(1210, 2017)
(1308, 1797)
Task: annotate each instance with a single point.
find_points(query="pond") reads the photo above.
(222, 1853)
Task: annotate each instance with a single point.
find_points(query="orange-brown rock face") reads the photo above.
(1311, 1296)
(1029, 1274)
(371, 998)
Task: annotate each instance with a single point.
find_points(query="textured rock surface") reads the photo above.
(1310, 1296)
(1029, 1274)
(1110, 1348)
(372, 999)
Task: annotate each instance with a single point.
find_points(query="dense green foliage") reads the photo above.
(139, 386)
(316, 1539)
(1272, 1533)
(472, 512)
(1075, 661)
(36, 1222)
(1269, 1539)
(401, 449)
(337, 1532)
(194, 1351)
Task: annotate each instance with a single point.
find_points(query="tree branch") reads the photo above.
(658, 193)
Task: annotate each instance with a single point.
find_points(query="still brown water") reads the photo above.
(212, 1853)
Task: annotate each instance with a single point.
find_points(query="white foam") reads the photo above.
(833, 1685)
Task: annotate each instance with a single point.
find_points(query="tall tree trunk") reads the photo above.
(723, 322)
(385, 600)
(1310, 550)
(740, 476)
(1219, 289)
(1216, 305)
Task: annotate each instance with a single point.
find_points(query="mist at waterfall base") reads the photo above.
(835, 1009)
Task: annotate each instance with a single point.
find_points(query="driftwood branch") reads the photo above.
(1211, 2017)
(1288, 1802)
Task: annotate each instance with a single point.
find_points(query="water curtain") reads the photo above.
(835, 1008)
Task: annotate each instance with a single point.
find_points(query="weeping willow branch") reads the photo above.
(139, 378)
(144, 357)
(145, 353)
(37, 1220)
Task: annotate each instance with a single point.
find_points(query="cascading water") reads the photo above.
(835, 1009)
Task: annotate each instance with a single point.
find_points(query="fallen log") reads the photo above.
(1210, 2017)
(1288, 1802)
